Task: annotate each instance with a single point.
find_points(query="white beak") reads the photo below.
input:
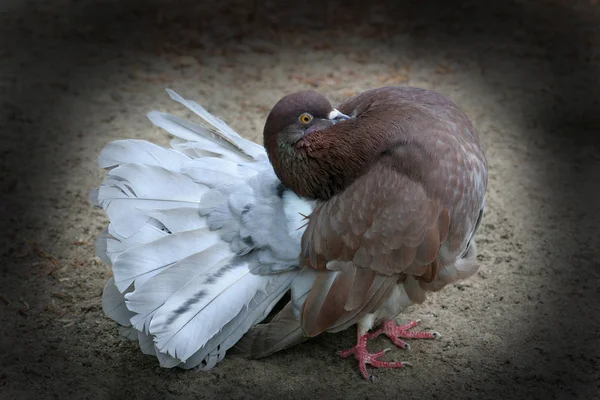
(337, 116)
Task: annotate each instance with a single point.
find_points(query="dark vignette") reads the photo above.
(570, 114)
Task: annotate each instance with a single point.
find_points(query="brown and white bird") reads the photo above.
(357, 211)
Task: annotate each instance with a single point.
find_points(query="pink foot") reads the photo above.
(395, 332)
(364, 357)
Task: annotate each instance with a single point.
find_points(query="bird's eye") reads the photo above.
(305, 118)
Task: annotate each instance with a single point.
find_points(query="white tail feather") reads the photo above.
(256, 310)
(116, 244)
(140, 263)
(180, 219)
(206, 306)
(164, 285)
(175, 325)
(221, 131)
(212, 171)
(140, 152)
(197, 134)
(130, 187)
(113, 304)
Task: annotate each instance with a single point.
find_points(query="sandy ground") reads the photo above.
(76, 75)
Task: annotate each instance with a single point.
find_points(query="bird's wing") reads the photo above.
(381, 227)
(199, 240)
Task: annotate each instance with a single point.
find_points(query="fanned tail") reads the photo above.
(197, 239)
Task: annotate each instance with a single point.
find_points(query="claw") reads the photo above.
(364, 357)
(395, 332)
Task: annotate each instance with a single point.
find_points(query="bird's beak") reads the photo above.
(336, 116)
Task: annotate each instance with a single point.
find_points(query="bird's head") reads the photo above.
(296, 127)
(294, 117)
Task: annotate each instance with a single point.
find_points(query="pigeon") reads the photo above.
(354, 212)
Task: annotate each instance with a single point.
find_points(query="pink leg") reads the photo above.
(364, 357)
(395, 332)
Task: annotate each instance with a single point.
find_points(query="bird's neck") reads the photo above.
(324, 163)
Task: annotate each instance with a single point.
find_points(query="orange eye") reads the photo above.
(305, 118)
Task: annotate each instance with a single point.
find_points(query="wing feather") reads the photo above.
(395, 224)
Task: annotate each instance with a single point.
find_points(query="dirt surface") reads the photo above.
(76, 75)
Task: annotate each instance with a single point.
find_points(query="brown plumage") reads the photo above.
(401, 187)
